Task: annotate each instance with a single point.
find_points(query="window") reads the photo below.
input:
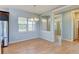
(25, 24)
(31, 24)
(22, 22)
(45, 23)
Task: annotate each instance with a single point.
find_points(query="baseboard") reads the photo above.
(29, 39)
(51, 40)
(20, 40)
(71, 40)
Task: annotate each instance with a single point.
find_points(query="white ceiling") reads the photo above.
(38, 9)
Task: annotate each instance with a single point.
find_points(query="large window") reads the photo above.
(22, 22)
(31, 24)
(27, 24)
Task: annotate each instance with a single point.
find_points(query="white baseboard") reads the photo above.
(28, 39)
(71, 40)
(20, 40)
(51, 40)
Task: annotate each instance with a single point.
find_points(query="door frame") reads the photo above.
(59, 16)
(73, 24)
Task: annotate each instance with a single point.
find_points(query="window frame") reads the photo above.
(27, 25)
(33, 25)
(20, 29)
(45, 22)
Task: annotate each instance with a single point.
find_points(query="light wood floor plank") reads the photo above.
(40, 46)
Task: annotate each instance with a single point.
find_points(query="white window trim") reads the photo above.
(22, 24)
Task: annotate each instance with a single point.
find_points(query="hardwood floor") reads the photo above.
(40, 46)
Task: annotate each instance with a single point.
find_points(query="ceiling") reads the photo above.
(38, 9)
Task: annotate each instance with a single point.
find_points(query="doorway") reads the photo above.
(76, 25)
(58, 29)
(78, 29)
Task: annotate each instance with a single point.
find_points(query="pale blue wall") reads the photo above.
(17, 36)
(14, 35)
(47, 35)
(67, 30)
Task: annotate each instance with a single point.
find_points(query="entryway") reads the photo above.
(58, 29)
(76, 25)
